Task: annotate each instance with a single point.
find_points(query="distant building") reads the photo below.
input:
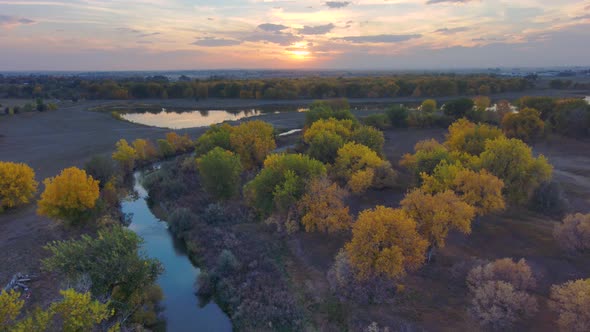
(587, 99)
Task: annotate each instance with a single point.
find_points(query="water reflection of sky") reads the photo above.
(190, 119)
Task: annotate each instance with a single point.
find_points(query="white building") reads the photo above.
(587, 99)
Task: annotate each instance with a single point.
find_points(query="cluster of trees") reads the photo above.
(39, 106)
(284, 88)
(568, 117)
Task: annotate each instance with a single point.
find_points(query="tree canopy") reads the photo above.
(17, 184)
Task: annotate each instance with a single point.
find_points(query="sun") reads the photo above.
(300, 54)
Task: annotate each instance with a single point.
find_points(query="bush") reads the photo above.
(227, 263)
(215, 214)
(517, 274)
(100, 168)
(17, 184)
(380, 121)
(549, 199)
(573, 233)
(220, 172)
(180, 221)
(398, 116)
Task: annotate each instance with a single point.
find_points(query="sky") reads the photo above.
(281, 34)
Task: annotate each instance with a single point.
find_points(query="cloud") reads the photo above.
(149, 34)
(269, 27)
(447, 31)
(380, 38)
(283, 39)
(583, 17)
(6, 21)
(433, 2)
(216, 42)
(337, 4)
(520, 13)
(317, 30)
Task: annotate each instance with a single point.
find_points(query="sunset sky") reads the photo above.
(355, 34)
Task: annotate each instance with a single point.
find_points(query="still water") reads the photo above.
(181, 305)
(189, 119)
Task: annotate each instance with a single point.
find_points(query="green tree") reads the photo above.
(513, 162)
(216, 136)
(428, 154)
(220, 172)
(428, 106)
(370, 137)
(282, 182)
(458, 108)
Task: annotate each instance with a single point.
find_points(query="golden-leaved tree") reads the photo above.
(438, 214)
(467, 137)
(253, 141)
(481, 189)
(17, 184)
(572, 302)
(356, 166)
(69, 196)
(322, 207)
(125, 155)
(385, 242)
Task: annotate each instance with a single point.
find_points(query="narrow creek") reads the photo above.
(181, 305)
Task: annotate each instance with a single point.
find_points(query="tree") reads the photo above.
(324, 146)
(125, 155)
(467, 137)
(100, 168)
(10, 306)
(385, 242)
(326, 109)
(481, 189)
(179, 143)
(545, 105)
(428, 106)
(573, 233)
(17, 184)
(481, 103)
(116, 250)
(282, 182)
(220, 172)
(78, 312)
(428, 154)
(322, 207)
(498, 305)
(500, 293)
(438, 214)
(215, 136)
(370, 137)
(458, 108)
(503, 107)
(518, 274)
(253, 141)
(69, 196)
(572, 302)
(144, 149)
(525, 125)
(512, 161)
(398, 116)
(356, 165)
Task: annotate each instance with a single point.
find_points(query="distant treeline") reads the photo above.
(63, 87)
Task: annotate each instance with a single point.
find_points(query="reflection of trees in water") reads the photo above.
(204, 113)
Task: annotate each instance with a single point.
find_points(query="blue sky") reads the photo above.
(355, 34)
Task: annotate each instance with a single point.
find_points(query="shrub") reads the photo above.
(525, 125)
(220, 172)
(69, 196)
(573, 233)
(215, 214)
(227, 263)
(549, 199)
(17, 184)
(398, 116)
(100, 168)
(180, 221)
(572, 302)
(380, 121)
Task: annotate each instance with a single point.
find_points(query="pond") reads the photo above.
(181, 305)
(191, 119)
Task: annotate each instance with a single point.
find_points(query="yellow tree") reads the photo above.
(468, 137)
(144, 149)
(322, 207)
(572, 302)
(428, 106)
(10, 306)
(78, 312)
(17, 184)
(68, 196)
(385, 242)
(356, 166)
(253, 141)
(428, 154)
(481, 189)
(179, 143)
(481, 103)
(525, 125)
(438, 214)
(125, 155)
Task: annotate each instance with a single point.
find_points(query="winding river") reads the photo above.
(181, 305)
